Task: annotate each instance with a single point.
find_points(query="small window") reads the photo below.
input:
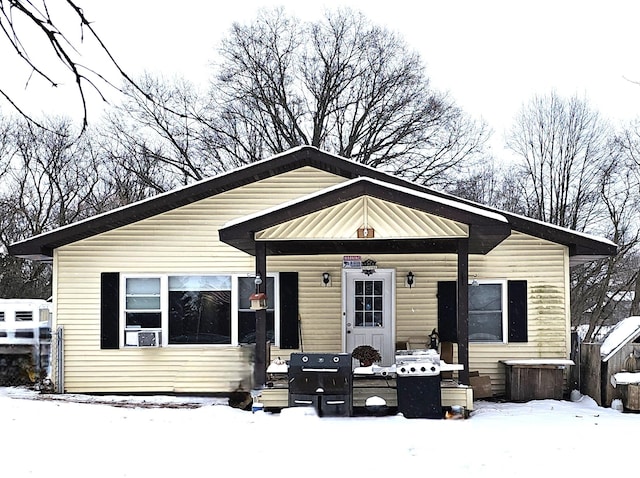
(1, 315)
(24, 315)
(142, 302)
(247, 317)
(487, 313)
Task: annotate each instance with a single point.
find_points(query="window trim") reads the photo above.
(274, 302)
(505, 311)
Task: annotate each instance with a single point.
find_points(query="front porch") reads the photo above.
(340, 221)
(275, 395)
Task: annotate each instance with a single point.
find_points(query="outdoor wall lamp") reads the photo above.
(410, 279)
(474, 282)
(326, 279)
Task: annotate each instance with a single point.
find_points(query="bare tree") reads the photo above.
(37, 31)
(490, 184)
(160, 141)
(49, 181)
(628, 144)
(600, 288)
(573, 174)
(341, 84)
(562, 146)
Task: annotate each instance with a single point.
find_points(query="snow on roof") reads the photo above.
(586, 235)
(624, 331)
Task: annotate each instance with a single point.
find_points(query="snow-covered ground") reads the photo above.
(90, 437)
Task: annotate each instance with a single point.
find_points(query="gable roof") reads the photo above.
(486, 228)
(582, 247)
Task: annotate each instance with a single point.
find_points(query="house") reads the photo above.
(600, 363)
(302, 251)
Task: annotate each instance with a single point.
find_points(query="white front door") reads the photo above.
(368, 311)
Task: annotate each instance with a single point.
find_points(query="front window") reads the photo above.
(199, 310)
(487, 312)
(195, 309)
(142, 303)
(247, 317)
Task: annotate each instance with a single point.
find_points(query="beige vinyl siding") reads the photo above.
(185, 241)
(181, 241)
(541, 263)
(343, 220)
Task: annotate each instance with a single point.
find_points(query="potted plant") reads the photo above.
(366, 354)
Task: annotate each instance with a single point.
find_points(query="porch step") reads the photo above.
(277, 396)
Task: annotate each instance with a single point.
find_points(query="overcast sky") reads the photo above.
(490, 55)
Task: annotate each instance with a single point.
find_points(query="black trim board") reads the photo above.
(289, 320)
(109, 310)
(485, 232)
(41, 247)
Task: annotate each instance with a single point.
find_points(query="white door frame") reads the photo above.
(390, 275)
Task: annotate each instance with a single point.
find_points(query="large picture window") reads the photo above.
(199, 310)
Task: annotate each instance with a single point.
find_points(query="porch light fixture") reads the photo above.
(474, 282)
(410, 279)
(326, 279)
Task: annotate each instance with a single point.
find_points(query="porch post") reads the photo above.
(463, 309)
(260, 362)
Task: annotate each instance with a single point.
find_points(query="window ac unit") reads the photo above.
(143, 338)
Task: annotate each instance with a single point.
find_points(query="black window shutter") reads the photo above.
(109, 310)
(447, 311)
(517, 290)
(289, 325)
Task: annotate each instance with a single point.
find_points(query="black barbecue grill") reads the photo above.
(323, 381)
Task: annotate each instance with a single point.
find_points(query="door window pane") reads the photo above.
(368, 302)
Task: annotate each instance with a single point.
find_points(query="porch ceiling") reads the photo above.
(404, 221)
(342, 221)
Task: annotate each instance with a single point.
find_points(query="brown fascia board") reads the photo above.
(578, 244)
(357, 189)
(485, 232)
(41, 247)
